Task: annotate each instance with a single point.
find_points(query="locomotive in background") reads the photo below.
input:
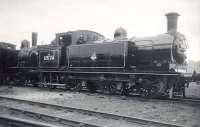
(8, 58)
(151, 66)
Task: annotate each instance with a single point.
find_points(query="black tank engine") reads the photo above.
(150, 66)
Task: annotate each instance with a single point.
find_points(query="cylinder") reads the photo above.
(172, 18)
(34, 38)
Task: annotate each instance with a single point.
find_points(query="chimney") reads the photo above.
(172, 18)
(34, 38)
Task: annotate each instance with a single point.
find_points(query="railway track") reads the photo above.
(186, 100)
(7, 121)
(195, 101)
(34, 117)
(69, 116)
(137, 97)
(173, 100)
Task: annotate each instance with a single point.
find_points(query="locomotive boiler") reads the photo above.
(150, 66)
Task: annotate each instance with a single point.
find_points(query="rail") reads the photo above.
(88, 113)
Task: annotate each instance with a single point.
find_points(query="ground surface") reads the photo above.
(173, 112)
(193, 90)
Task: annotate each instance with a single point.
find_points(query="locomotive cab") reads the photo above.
(64, 40)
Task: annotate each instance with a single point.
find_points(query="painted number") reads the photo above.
(48, 57)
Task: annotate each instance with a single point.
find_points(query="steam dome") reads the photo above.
(120, 33)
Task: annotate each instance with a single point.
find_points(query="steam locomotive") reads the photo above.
(8, 55)
(150, 66)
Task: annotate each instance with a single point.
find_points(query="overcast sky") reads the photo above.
(18, 18)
